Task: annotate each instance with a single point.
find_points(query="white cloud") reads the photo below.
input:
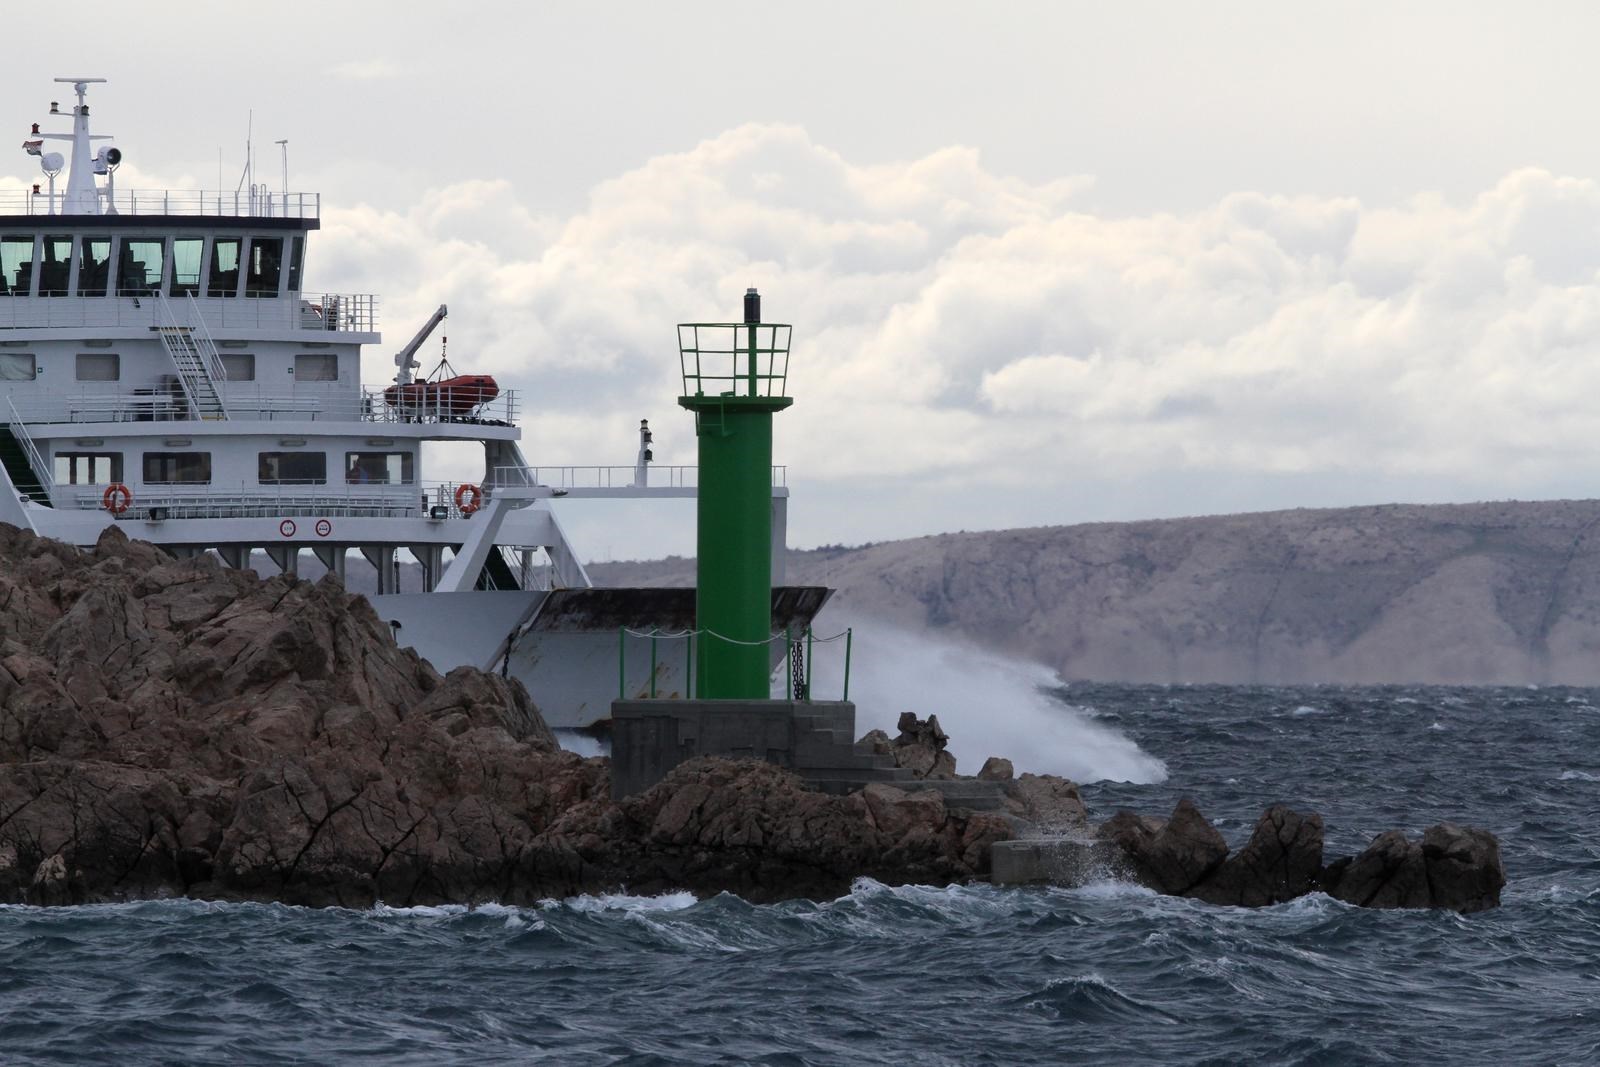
(366, 70)
(954, 327)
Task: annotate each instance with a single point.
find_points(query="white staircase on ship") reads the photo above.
(196, 360)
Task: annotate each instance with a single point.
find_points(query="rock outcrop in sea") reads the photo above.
(178, 727)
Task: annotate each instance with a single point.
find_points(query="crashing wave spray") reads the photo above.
(989, 704)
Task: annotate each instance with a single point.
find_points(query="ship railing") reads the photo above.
(248, 402)
(268, 502)
(41, 471)
(391, 403)
(799, 657)
(255, 202)
(656, 476)
(329, 312)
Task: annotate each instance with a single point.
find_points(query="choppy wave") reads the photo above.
(891, 974)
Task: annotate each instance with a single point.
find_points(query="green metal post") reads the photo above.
(847, 636)
(752, 371)
(788, 665)
(811, 658)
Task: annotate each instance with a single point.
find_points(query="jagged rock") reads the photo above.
(1464, 868)
(1281, 861)
(171, 727)
(996, 769)
(752, 828)
(1451, 867)
(875, 741)
(1049, 803)
(1391, 873)
(920, 747)
(1170, 857)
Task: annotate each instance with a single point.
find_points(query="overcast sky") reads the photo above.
(1047, 263)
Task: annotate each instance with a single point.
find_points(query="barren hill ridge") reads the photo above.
(1489, 593)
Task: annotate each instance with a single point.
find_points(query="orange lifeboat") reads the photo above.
(453, 397)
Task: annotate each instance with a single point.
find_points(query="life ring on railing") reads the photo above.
(469, 498)
(117, 498)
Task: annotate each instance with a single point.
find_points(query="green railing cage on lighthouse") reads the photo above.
(798, 664)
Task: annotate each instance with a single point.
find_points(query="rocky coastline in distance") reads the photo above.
(180, 728)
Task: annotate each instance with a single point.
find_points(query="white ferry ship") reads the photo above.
(164, 367)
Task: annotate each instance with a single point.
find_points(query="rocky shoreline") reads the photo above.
(180, 728)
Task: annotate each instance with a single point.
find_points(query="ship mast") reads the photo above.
(82, 196)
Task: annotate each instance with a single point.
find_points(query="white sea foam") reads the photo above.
(1578, 776)
(1307, 709)
(1111, 889)
(420, 911)
(581, 743)
(676, 901)
(989, 704)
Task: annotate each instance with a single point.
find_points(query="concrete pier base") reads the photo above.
(650, 737)
(1049, 861)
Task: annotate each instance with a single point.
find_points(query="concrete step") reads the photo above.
(810, 755)
(898, 777)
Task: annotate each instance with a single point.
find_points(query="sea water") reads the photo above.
(1105, 974)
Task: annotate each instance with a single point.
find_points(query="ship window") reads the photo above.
(16, 265)
(99, 367)
(292, 468)
(187, 253)
(55, 268)
(139, 266)
(266, 262)
(377, 468)
(88, 468)
(94, 266)
(18, 367)
(238, 367)
(224, 267)
(297, 255)
(316, 367)
(177, 468)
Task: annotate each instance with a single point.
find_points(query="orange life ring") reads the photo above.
(117, 498)
(469, 498)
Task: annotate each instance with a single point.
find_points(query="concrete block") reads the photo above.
(650, 737)
(1048, 861)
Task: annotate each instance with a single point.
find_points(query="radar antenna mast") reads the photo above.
(82, 197)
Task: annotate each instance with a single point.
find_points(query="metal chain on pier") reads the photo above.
(797, 668)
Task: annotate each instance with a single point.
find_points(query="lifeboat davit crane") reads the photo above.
(456, 396)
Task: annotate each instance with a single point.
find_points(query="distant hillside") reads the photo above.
(1473, 593)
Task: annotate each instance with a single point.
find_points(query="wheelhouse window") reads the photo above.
(55, 266)
(88, 468)
(265, 266)
(187, 255)
(177, 468)
(94, 265)
(238, 367)
(139, 266)
(378, 468)
(99, 367)
(16, 265)
(297, 255)
(224, 267)
(18, 367)
(316, 367)
(292, 468)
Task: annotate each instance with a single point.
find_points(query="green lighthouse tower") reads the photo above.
(734, 380)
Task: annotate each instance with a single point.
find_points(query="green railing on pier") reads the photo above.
(799, 658)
